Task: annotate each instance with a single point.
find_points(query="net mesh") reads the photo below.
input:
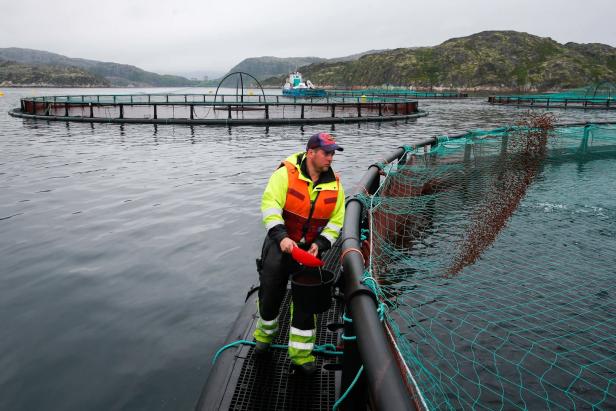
(366, 92)
(598, 92)
(495, 256)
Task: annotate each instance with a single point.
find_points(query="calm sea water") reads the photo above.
(126, 250)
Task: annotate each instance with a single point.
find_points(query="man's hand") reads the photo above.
(286, 245)
(314, 249)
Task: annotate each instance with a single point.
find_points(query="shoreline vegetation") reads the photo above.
(471, 93)
(486, 62)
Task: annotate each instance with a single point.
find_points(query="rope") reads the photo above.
(327, 349)
(346, 338)
(348, 250)
(233, 344)
(348, 390)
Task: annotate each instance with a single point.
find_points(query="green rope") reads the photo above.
(233, 344)
(373, 285)
(327, 349)
(348, 390)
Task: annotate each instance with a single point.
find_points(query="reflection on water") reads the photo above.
(126, 250)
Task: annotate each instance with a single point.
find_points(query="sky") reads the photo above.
(191, 36)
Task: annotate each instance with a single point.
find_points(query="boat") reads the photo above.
(296, 87)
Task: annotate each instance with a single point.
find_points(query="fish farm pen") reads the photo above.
(399, 93)
(210, 109)
(553, 101)
(601, 96)
(470, 278)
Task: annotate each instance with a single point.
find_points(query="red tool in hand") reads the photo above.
(305, 258)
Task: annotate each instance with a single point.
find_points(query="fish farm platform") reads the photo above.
(544, 101)
(398, 93)
(207, 109)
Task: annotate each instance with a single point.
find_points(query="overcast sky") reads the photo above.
(181, 36)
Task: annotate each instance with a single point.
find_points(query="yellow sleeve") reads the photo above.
(274, 198)
(334, 225)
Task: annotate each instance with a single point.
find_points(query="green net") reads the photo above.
(495, 255)
(395, 92)
(598, 92)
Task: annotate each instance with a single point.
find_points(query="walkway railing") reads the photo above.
(216, 109)
(554, 102)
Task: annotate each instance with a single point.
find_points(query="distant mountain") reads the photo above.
(269, 66)
(199, 75)
(116, 75)
(490, 60)
(47, 75)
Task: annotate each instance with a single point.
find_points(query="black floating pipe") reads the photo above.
(213, 394)
(386, 384)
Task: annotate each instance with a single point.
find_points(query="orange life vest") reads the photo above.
(303, 218)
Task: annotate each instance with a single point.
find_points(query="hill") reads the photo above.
(269, 66)
(490, 60)
(46, 75)
(115, 75)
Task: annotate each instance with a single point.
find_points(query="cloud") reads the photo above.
(190, 35)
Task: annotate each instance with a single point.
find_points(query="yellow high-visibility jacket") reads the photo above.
(275, 197)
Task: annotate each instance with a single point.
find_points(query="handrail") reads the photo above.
(207, 99)
(387, 387)
(205, 109)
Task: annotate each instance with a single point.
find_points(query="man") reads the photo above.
(302, 205)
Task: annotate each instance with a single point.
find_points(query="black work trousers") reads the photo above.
(276, 267)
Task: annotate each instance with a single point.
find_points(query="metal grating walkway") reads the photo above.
(270, 383)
